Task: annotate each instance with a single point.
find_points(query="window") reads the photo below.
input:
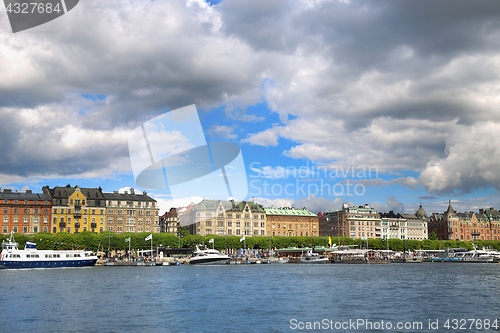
(5, 219)
(45, 229)
(15, 228)
(110, 220)
(5, 229)
(15, 219)
(101, 220)
(5, 211)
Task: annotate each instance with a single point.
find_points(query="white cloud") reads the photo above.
(166, 204)
(421, 95)
(225, 132)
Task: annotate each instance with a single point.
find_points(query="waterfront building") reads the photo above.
(76, 209)
(169, 221)
(25, 212)
(131, 212)
(492, 216)
(218, 217)
(405, 226)
(445, 225)
(360, 222)
(291, 222)
(201, 218)
(246, 218)
(467, 226)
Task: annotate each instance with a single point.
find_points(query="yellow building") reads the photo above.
(78, 209)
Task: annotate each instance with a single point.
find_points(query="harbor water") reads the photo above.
(251, 298)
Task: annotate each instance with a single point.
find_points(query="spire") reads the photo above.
(450, 210)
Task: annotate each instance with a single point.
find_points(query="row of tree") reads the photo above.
(103, 241)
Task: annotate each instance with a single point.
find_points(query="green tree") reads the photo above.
(433, 236)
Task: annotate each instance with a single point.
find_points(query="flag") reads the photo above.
(149, 237)
(127, 239)
(242, 239)
(211, 241)
(329, 240)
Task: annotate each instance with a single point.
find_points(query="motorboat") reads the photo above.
(208, 256)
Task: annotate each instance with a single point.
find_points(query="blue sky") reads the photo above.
(405, 94)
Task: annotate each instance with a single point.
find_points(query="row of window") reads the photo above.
(296, 226)
(368, 223)
(15, 229)
(130, 204)
(76, 211)
(236, 232)
(26, 211)
(230, 215)
(25, 219)
(291, 234)
(26, 202)
(290, 219)
(237, 224)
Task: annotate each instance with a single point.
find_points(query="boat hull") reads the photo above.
(47, 264)
(209, 261)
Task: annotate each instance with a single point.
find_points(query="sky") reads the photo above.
(389, 103)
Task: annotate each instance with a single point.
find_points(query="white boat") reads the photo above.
(311, 257)
(474, 256)
(30, 257)
(209, 256)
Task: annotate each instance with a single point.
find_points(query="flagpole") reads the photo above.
(151, 248)
(129, 241)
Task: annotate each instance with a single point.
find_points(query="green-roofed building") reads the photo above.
(288, 221)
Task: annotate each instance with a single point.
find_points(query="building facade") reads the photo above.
(245, 218)
(76, 209)
(25, 212)
(360, 222)
(169, 222)
(218, 217)
(404, 226)
(291, 222)
(131, 212)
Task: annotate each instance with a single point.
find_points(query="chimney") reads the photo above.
(481, 211)
(29, 191)
(491, 208)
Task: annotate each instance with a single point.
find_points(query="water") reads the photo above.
(247, 298)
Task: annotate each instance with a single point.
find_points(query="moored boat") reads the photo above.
(310, 257)
(208, 256)
(30, 257)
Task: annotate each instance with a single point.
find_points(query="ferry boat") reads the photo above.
(208, 256)
(30, 257)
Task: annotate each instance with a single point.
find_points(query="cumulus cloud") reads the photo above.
(400, 86)
(391, 204)
(225, 132)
